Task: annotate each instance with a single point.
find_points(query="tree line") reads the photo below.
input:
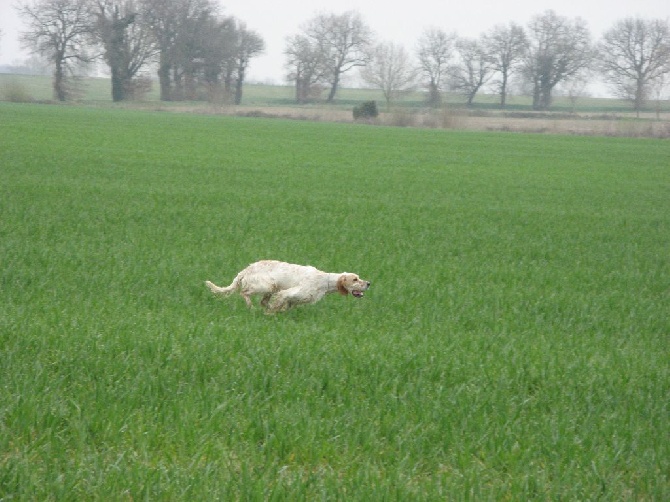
(633, 57)
(199, 53)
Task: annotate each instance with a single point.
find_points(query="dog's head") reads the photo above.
(351, 283)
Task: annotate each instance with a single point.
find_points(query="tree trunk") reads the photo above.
(639, 97)
(177, 91)
(333, 88)
(301, 89)
(60, 93)
(545, 98)
(118, 85)
(228, 83)
(298, 92)
(238, 86)
(503, 91)
(541, 96)
(114, 46)
(164, 78)
(434, 97)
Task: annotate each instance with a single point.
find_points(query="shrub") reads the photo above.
(15, 92)
(366, 110)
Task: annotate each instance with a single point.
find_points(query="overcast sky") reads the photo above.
(275, 20)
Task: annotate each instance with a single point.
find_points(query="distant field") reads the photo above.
(99, 90)
(513, 346)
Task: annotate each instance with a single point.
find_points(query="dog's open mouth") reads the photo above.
(357, 294)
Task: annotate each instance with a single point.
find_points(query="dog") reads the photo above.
(285, 285)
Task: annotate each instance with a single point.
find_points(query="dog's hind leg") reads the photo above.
(265, 300)
(247, 298)
(276, 304)
(284, 300)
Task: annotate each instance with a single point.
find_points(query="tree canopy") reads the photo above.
(634, 56)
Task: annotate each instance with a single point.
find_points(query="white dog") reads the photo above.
(284, 285)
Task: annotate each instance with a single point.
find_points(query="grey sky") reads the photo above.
(274, 21)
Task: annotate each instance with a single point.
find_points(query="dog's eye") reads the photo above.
(355, 279)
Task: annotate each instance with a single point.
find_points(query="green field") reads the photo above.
(514, 344)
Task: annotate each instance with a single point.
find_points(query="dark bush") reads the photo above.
(366, 110)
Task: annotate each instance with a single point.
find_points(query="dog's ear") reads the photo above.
(340, 286)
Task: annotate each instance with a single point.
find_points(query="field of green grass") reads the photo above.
(514, 344)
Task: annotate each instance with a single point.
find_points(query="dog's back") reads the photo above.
(272, 275)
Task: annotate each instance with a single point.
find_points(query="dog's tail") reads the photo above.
(223, 291)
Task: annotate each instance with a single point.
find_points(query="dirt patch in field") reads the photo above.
(577, 126)
(648, 125)
(547, 123)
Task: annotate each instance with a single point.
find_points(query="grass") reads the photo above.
(514, 343)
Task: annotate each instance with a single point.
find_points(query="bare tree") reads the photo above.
(435, 51)
(178, 28)
(248, 44)
(306, 65)
(344, 39)
(60, 31)
(125, 40)
(391, 70)
(505, 45)
(473, 70)
(191, 48)
(210, 56)
(162, 20)
(219, 37)
(558, 49)
(634, 55)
